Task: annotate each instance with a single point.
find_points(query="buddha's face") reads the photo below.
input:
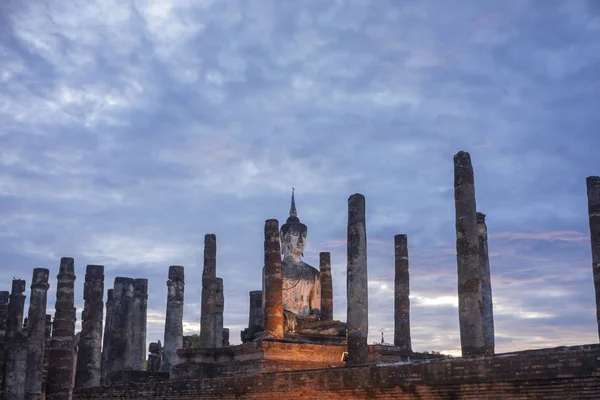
(294, 242)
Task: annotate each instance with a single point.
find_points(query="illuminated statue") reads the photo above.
(301, 282)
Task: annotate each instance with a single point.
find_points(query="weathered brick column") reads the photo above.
(401, 294)
(593, 195)
(174, 318)
(218, 314)
(139, 321)
(47, 339)
(36, 342)
(209, 292)
(226, 337)
(16, 339)
(255, 317)
(4, 296)
(155, 357)
(356, 282)
(120, 350)
(326, 286)
(273, 286)
(486, 286)
(105, 366)
(60, 357)
(89, 356)
(467, 253)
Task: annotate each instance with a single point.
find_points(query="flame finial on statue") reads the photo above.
(293, 221)
(293, 212)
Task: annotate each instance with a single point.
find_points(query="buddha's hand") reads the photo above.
(289, 321)
(311, 318)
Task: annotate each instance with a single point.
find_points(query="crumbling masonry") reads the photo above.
(42, 358)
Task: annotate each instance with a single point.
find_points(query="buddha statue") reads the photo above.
(301, 281)
(301, 285)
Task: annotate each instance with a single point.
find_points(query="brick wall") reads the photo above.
(559, 373)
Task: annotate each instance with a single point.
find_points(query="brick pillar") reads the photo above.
(593, 195)
(467, 254)
(155, 357)
(89, 355)
(4, 296)
(47, 339)
(486, 286)
(255, 316)
(226, 337)
(209, 292)
(107, 334)
(356, 283)
(139, 321)
(401, 294)
(60, 358)
(174, 318)
(326, 287)
(16, 355)
(36, 334)
(218, 314)
(273, 282)
(120, 349)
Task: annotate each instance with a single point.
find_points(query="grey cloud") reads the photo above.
(129, 132)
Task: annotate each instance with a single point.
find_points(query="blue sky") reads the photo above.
(128, 130)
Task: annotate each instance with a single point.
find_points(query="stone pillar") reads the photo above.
(155, 357)
(16, 355)
(140, 313)
(89, 355)
(174, 317)
(211, 318)
(593, 195)
(60, 361)
(486, 286)
(47, 338)
(107, 334)
(4, 296)
(225, 337)
(273, 282)
(401, 295)
(209, 292)
(36, 334)
(326, 287)
(357, 284)
(120, 350)
(467, 253)
(255, 317)
(218, 314)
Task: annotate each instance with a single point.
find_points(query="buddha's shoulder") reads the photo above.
(305, 269)
(313, 270)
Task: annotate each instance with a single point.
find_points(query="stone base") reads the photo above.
(270, 356)
(255, 357)
(558, 373)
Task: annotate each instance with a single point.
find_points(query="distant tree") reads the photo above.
(438, 353)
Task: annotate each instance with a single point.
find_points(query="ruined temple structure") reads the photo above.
(173, 319)
(155, 357)
(89, 353)
(593, 195)
(212, 305)
(126, 329)
(401, 294)
(59, 383)
(293, 347)
(472, 309)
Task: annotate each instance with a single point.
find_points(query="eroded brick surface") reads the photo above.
(559, 373)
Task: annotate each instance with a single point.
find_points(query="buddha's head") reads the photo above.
(293, 235)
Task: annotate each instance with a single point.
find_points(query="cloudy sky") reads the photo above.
(129, 130)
